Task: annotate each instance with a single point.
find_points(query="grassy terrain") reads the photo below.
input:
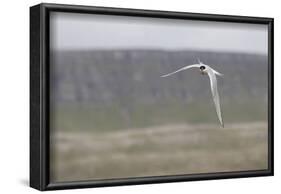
(99, 119)
(155, 151)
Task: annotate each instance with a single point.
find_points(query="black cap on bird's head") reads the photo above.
(202, 67)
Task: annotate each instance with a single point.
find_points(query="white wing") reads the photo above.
(214, 88)
(181, 69)
(217, 73)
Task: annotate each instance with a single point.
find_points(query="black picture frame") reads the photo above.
(39, 95)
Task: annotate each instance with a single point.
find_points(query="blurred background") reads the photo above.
(113, 116)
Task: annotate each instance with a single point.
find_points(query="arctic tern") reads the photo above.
(207, 70)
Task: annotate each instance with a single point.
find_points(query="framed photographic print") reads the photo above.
(126, 96)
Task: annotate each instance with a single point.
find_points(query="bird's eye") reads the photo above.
(202, 67)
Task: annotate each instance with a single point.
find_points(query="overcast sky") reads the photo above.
(88, 31)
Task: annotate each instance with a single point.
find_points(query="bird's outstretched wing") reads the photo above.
(181, 69)
(214, 87)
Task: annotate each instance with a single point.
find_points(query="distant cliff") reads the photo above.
(133, 76)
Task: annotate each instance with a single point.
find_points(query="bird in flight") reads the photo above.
(206, 70)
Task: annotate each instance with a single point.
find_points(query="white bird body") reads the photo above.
(205, 69)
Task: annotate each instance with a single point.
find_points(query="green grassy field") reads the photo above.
(92, 142)
(102, 118)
